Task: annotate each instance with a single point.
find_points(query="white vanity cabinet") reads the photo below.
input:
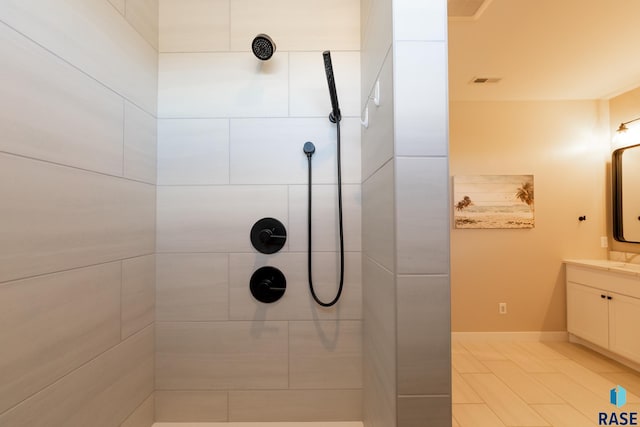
(603, 305)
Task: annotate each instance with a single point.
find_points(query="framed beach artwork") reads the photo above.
(493, 201)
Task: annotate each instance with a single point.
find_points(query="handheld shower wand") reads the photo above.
(309, 149)
(335, 115)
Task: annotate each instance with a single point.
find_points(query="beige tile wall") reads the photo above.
(78, 172)
(231, 132)
(405, 222)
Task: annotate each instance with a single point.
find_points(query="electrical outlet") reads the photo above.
(502, 308)
(604, 242)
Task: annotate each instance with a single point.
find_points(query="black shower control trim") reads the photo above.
(268, 284)
(268, 235)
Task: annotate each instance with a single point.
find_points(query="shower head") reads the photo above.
(328, 69)
(263, 47)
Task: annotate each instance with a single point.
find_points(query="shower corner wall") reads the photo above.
(77, 184)
(405, 224)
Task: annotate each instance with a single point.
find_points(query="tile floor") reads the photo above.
(276, 424)
(535, 384)
(519, 384)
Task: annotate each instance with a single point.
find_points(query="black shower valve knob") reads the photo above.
(268, 235)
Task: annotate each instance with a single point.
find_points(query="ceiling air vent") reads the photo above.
(466, 9)
(483, 80)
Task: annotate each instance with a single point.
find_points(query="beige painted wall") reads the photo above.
(561, 143)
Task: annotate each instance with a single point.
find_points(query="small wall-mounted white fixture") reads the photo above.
(376, 94)
(365, 122)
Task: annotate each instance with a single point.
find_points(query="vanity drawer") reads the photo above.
(607, 280)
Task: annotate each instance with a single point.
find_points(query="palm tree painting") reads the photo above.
(493, 201)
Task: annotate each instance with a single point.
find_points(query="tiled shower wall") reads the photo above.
(78, 90)
(230, 135)
(405, 225)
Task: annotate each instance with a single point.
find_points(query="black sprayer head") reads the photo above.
(309, 148)
(263, 47)
(335, 115)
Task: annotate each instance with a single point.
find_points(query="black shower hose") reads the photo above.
(313, 293)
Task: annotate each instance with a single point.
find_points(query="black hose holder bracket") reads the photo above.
(268, 284)
(268, 235)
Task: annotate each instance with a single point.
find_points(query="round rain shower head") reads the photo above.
(263, 47)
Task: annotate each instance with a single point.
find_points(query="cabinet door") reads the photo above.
(624, 318)
(588, 314)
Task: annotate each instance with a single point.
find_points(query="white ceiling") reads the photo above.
(546, 50)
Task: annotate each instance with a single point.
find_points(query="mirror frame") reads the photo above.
(616, 162)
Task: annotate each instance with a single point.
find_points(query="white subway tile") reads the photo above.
(221, 355)
(210, 85)
(192, 287)
(140, 144)
(325, 354)
(83, 308)
(423, 209)
(309, 93)
(138, 294)
(269, 151)
(297, 303)
(378, 216)
(143, 15)
(424, 20)
(59, 218)
(52, 111)
(421, 114)
(325, 235)
(91, 35)
(215, 219)
(295, 25)
(193, 152)
(119, 380)
(194, 25)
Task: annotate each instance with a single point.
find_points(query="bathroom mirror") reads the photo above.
(626, 194)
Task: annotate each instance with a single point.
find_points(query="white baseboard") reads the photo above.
(623, 360)
(510, 336)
